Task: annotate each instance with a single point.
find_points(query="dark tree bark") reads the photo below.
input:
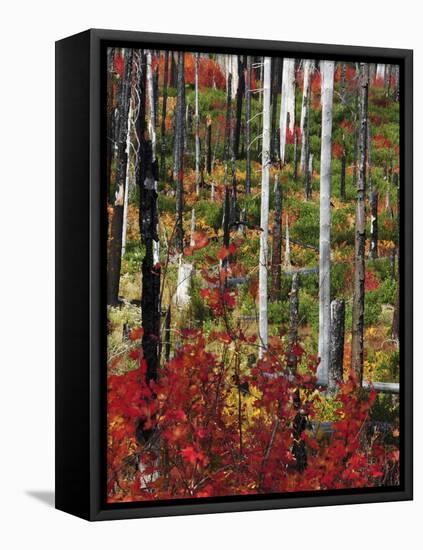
(226, 222)
(248, 126)
(179, 154)
(342, 190)
(227, 119)
(208, 145)
(356, 132)
(336, 364)
(111, 126)
(163, 124)
(239, 97)
(373, 253)
(233, 169)
(369, 161)
(173, 70)
(276, 87)
(115, 244)
(293, 322)
(167, 334)
(306, 137)
(396, 317)
(357, 353)
(277, 245)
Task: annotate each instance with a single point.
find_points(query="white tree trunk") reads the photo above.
(287, 103)
(184, 283)
(152, 134)
(308, 71)
(197, 129)
(287, 261)
(380, 71)
(264, 214)
(327, 73)
(192, 242)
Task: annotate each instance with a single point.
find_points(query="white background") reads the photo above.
(28, 31)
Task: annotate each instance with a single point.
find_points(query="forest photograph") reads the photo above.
(253, 300)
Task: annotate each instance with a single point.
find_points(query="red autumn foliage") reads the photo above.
(209, 73)
(290, 136)
(371, 281)
(337, 150)
(316, 83)
(118, 64)
(204, 444)
(381, 142)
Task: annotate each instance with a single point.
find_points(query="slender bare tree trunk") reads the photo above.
(197, 128)
(380, 71)
(277, 243)
(342, 190)
(276, 87)
(357, 353)
(115, 246)
(239, 97)
(208, 145)
(264, 214)
(153, 137)
(227, 118)
(305, 108)
(327, 71)
(337, 334)
(287, 114)
(163, 124)
(287, 260)
(373, 253)
(294, 303)
(248, 126)
(179, 138)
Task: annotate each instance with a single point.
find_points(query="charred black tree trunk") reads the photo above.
(239, 97)
(293, 322)
(396, 317)
(275, 293)
(163, 124)
(167, 334)
(179, 154)
(276, 86)
(300, 421)
(342, 190)
(173, 70)
(232, 140)
(208, 145)
(373, 253)
(369, 161)
(248, 126)
(115, 246)
(226, 222)
(337, 334)
(357, 353)
(356, 137)
(306, 137)
(111, 127)
(227, 119)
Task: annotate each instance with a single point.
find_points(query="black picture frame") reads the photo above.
(80, 275)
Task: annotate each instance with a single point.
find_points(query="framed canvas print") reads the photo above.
(234, 274)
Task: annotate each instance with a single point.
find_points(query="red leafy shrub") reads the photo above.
(211, 426)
